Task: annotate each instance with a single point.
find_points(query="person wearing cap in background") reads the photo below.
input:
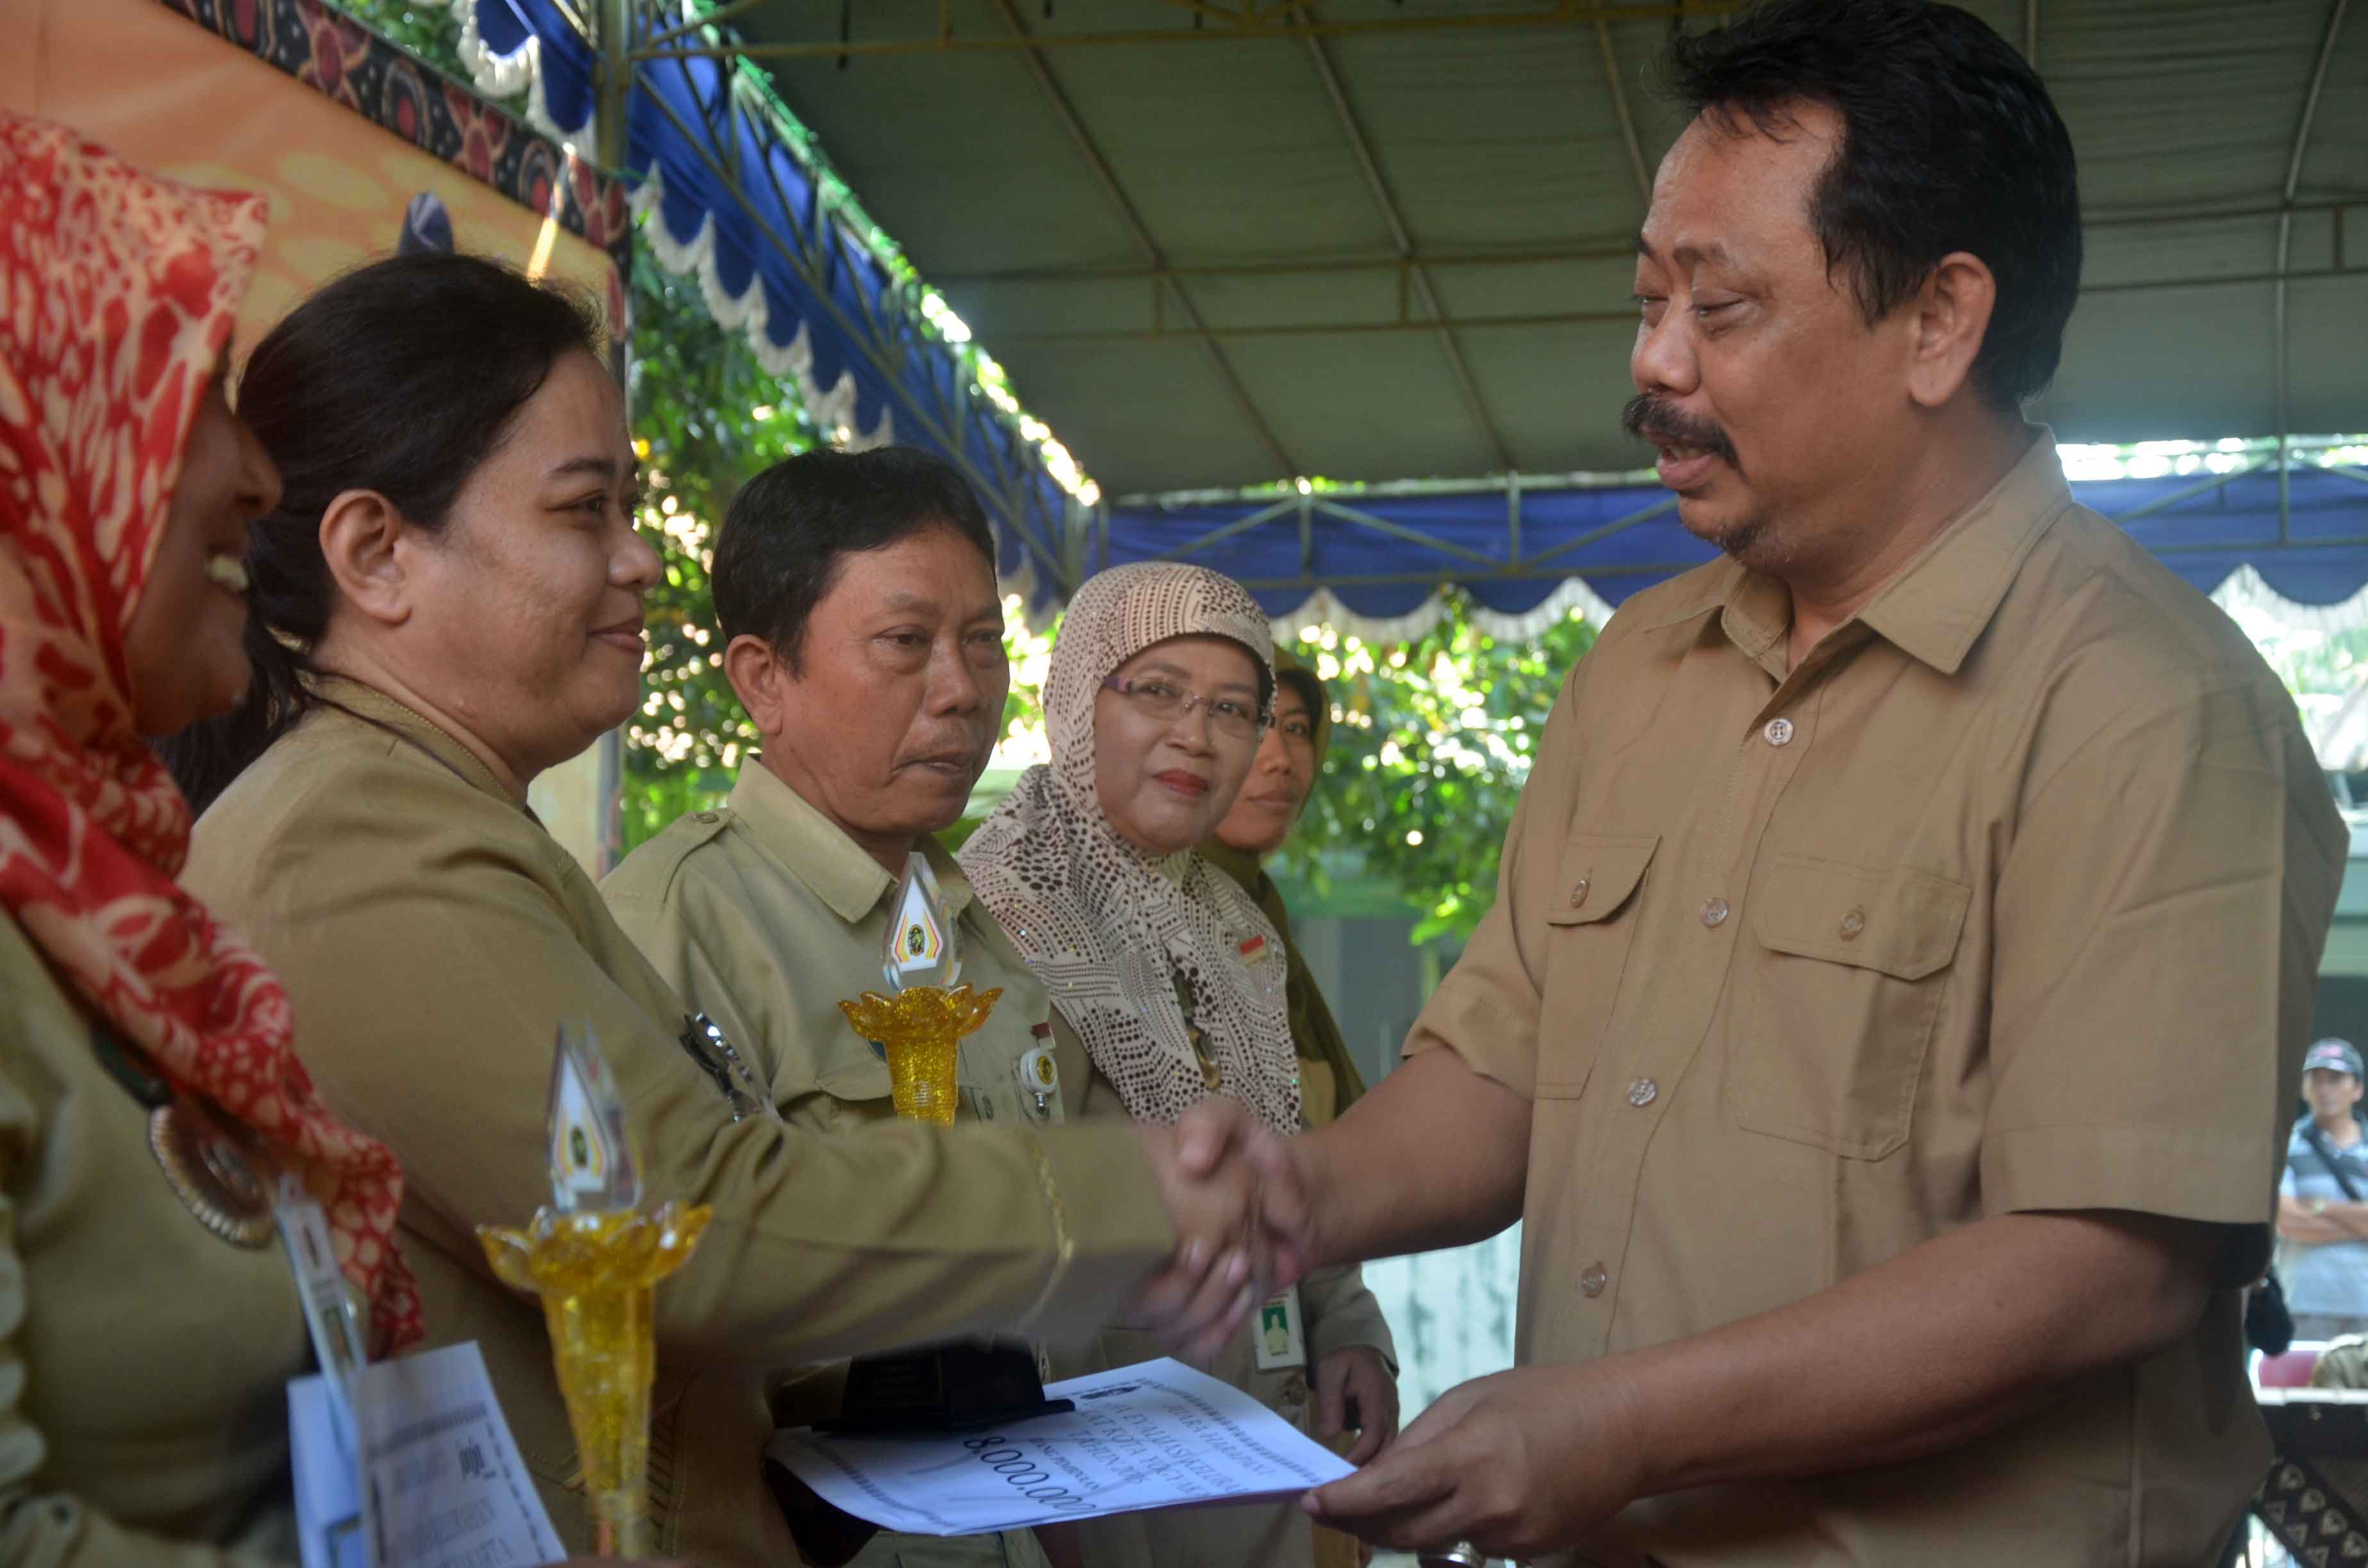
(2323, 1200)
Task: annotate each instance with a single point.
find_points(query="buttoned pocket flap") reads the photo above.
(1600, 873)
(1898, 922)
(854, 1072)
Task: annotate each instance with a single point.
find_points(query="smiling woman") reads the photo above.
(447, 600)
(463, 544)
(1167, 972)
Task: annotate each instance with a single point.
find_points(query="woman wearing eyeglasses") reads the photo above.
(1160, 690)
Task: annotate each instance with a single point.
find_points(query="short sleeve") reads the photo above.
(2158, 924)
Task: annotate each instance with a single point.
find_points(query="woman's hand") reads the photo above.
(1354, 1390)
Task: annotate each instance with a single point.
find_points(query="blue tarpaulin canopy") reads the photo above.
(1381, 556)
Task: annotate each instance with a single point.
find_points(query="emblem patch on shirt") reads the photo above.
(920, 946)
(592, 1163)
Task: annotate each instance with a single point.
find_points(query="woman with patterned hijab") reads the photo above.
(149, 1094)
(1164, 974)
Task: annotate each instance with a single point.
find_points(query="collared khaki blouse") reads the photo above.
(432, 938)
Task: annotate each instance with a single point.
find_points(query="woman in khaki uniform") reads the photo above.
(1355, 1386)
(449, 601)
(1156, 703)
(151, 1318)
(1290, 760)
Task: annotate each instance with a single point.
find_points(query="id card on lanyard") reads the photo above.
(407, 1463)
(332, 1513)
(1279, 1336)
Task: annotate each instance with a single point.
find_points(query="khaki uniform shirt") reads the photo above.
(764, 915)
(432, 938)
(2009, 898)
(143, 1405)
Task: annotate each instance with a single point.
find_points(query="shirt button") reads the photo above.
(1592, 1282)
(1643, 1092)
(1713, 912)
(1579, 893)
(702, 816)
(1778, 732)
(1853, 924)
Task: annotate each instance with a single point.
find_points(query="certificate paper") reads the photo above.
(1154, 1436)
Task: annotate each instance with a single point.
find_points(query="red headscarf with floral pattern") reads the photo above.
(117, 291)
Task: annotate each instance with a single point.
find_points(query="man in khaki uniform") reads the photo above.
(1906, 936)
(856, 594)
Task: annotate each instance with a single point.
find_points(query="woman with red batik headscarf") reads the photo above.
(148, 1096)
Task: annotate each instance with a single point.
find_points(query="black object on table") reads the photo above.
(961, 1387)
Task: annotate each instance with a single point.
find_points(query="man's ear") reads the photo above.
(364, 540)
(760, 680)
(1951, 318)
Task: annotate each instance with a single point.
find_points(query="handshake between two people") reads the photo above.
(1240, 1214)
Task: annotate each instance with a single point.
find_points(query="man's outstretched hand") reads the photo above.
(1217, 1131)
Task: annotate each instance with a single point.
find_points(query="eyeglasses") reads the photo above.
(1161, 699)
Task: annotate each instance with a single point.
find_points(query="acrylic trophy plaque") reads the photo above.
(594, 1256)
(919, 1025)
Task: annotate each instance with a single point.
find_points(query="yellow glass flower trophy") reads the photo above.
(919, 1026)
(594, 1256)
(920, 1023)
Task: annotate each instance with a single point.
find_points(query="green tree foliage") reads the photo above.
(706, 418)
(1431, 743)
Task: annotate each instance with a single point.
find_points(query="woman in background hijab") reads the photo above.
(1356, 1379)
(1166, 973)
(1290, 760)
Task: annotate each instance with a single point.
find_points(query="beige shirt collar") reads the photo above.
(818, 852)
(1938, 604)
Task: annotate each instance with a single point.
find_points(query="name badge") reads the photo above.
(1280, 1338)
(333, 1519)
(329, 1315)
(1254, 950)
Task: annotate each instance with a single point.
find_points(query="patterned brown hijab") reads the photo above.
(1112, 931)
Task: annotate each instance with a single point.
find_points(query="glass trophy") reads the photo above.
(594, 1256)
(919, 1025)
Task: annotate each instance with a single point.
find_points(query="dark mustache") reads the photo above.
(1647, 417)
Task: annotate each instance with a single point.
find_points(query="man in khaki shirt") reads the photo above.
(857, 598)
(1906, 936)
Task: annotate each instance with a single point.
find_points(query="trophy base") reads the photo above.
(961, 1387)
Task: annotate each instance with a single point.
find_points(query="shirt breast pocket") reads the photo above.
(1590, 926)
(854, 1085)
(1828, 1039)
